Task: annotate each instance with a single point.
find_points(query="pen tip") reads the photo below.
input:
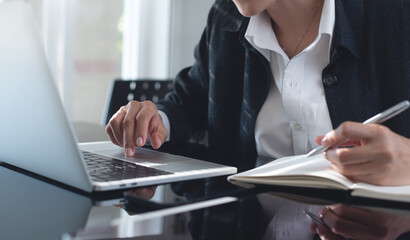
(316, 151)
(311, 153)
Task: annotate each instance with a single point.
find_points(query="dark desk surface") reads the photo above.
(33, 209)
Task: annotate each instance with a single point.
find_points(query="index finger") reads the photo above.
(342, 226)
(353, 213)
(347, 131)
(133, 108)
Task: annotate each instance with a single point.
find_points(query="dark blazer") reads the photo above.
(224, 90)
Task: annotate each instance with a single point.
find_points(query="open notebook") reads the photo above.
(315, 172)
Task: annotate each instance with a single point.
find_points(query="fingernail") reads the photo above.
(159, 141)
(139, 141)
(322, 211)
(128, 152)
(324, 141)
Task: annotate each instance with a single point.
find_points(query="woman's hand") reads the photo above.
(346, 222)
(375, 154)
(136, 123)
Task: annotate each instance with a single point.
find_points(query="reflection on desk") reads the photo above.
(33, 209)
(344, 221)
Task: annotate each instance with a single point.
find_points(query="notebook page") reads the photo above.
(297, 171)
(395, 193)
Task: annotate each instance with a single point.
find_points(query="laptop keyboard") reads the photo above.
(105, 169)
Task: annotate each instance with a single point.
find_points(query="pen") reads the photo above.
(379, 118)
(314, 218)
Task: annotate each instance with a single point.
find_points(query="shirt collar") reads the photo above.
(348, 25)
(260, 35)
(327, 21)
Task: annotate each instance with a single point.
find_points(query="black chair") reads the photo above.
(123, 91)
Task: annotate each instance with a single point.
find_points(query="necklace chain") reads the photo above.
(306, 31)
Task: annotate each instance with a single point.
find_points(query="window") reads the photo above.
(91, 42)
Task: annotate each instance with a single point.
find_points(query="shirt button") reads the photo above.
(288, 84)
(297, 127)
(329, 80)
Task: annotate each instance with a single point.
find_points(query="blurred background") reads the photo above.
(89, 43)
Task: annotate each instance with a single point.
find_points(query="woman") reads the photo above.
(271, 75)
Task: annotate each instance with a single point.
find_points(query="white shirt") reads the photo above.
(295, 111)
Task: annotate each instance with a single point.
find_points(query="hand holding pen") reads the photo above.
(347, 222)
(379, 156)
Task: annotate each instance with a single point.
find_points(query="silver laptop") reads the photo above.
(35, 134)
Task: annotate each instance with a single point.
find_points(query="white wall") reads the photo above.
(188, 22)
